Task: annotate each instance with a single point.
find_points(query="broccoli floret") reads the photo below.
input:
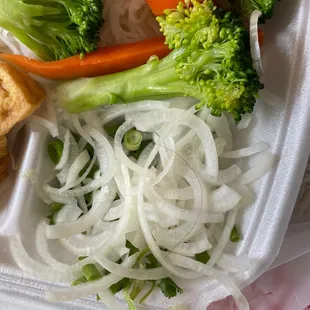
(244, 8)
(53, 29)
(210, 61)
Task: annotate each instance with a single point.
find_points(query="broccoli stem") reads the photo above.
(154, 80)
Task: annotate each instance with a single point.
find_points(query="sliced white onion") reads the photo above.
(224, 176)
(110, 301)
(219, 248)
(160, 219)
(114, 213)
(50, 126)
(79, 163)
(222, 129)
(223, 199)
(83, 245)
(72, 193)
(254, 42)
(245, 121)
(262, 166)
(187, 249)
(124, 272)
(194, 216)
(248, 151)
(185, 193)
(43, 251)
(201, 268)
(220, 144)
(116, 111)
(34, 268)
(67, 213)
(151, 242)
(178, 234)
(102, 201)
(65, 153)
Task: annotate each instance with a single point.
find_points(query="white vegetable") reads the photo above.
(124, 272)
(102, 201)
(35, 121)
(262, 166)
(248, 151)
(173, 200)
(223, 199)
(232, 289)
(79, 163)
(254, 42)
(32, 267)
(65, 153)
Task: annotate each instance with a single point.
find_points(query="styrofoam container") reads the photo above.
(286, 127)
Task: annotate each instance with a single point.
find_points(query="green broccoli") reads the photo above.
(210, 61)
(53, 29)
(244, 8)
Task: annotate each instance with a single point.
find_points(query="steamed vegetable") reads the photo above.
(244, 8)
(53, 29)
(106, 60)
(210, 61)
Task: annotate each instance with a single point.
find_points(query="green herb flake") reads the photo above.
(79, 281)
(202, 257)
(152, 262)
(235, 235)
(169, 287)
(149, 292)
(91, 272)
(131, 247)
(55, 149)
(117, 287)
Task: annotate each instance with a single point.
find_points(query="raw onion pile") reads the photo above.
(174, 198)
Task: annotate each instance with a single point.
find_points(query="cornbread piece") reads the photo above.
(20, 96)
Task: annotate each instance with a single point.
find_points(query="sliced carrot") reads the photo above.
(158, 6)
(105, 60)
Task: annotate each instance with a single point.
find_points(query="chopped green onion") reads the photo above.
(132, 140)
(55, 207)
(79, 281)
(138, 286)
(55, 149)
(202, 257)
(82, 258)
(117, 287)
(141, 255)
(149, 292)
(131, 247)
(235, 235)
(129, 301)
(91, 272)
(98, 297)
(137, 153)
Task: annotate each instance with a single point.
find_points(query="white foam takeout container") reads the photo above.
(285, 127)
